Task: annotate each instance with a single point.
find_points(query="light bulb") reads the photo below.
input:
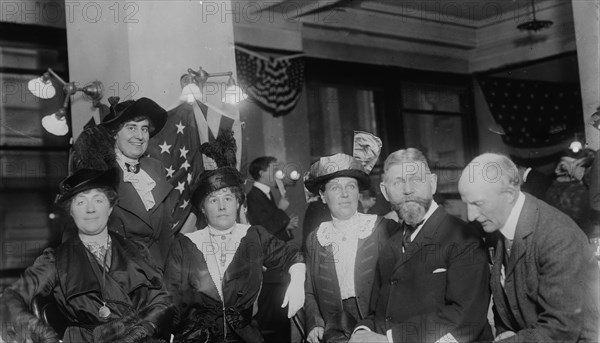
(294, 175)
(279, 174)
(575, 146)
(234, 95)
(55, 125)
(190, 93)
(41, 89)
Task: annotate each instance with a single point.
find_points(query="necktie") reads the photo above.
(132, 168)
(406, 237)
(508, 244)
(272, 198)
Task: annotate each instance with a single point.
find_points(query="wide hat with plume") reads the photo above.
(222, 151)
(122, 112)
(366, 151)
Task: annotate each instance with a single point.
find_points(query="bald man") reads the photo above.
(545, 279)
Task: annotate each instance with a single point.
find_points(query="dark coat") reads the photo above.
(264, 212)
(74, 278)
(552, 280)
(537, 184)
(323, 299)
(131, 219)
(200, 313)
(439, 285)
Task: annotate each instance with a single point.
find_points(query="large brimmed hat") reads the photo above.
(127, 110)
(338, 165)
(86, 179)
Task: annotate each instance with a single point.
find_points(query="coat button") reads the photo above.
(394, 282)
(388, 318)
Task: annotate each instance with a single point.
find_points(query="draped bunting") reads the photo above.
(534, 114)
(275, 84)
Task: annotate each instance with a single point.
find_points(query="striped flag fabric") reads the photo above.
(189, 125)
(273, 83)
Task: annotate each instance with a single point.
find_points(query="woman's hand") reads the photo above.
(294, 296)
(315, 335)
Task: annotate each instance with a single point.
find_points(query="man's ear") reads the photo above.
(433, 181)
(384, 191)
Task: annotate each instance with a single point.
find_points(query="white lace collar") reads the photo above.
(359, 226)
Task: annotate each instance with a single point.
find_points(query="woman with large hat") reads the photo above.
(215, 274)
(341, 254)
(143, 213)
(102, 283)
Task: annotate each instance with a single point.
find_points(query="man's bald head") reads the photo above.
(490, 186)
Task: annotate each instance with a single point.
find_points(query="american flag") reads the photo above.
(177, 146)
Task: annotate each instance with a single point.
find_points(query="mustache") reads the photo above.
(425, 202)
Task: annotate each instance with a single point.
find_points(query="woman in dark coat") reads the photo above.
(103, 284)
(341, 254)
(215, 274)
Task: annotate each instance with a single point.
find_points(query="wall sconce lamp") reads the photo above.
(233, 93)
(534, 25)
(43, 88)
(595, 120)
(576, 145)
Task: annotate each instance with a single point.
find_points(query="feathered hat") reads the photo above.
(222, 151)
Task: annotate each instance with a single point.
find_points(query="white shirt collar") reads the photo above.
(430, 211)
(264, 188)
(526, 173)
(510, 227)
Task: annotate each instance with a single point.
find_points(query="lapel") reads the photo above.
(162, 189)
(364, 269)
(72, 260)
(201, 239)
(424, 237)
(497, 289)
(130, 201)
(328, 274)
(265, 199)
(525, 226)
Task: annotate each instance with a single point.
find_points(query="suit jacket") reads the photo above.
(439, 285)
(537, 184)
(150, 228)
(552, 280)
(263, 211)
(73, 277)
(200, 311)
(323, 299)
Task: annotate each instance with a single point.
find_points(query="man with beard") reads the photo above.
(432, 283)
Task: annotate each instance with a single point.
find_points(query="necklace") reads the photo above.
(222, 248)
(104, 311)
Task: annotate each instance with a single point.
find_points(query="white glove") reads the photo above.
(294, 295)
(315, 335)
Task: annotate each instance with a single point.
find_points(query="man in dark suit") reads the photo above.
(433, 275)
(545, 278)
(262, 208)
(534, 182)
(142, 213)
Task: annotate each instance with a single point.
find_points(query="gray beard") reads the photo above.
(412, 212)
